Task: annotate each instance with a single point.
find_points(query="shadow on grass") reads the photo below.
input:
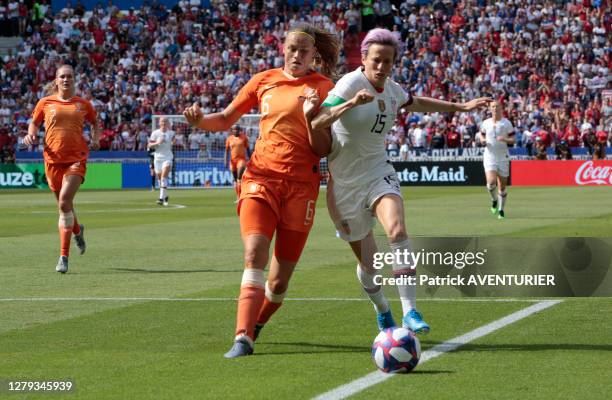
(170, 271)
(315, 348)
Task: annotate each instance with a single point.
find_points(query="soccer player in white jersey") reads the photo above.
(361, 110)
(497, 133)
(162, 140)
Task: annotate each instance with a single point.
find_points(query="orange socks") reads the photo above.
(249, 304)
(65, 234)
(76, 228)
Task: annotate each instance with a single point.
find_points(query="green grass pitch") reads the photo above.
(114, 336)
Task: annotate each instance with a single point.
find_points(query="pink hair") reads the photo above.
(380, 36)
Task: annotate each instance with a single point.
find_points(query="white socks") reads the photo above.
(502, 200)
(491, 189)
(406, 292)
(374, 291)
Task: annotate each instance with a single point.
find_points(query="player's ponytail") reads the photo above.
(50, 88)
(327, 45)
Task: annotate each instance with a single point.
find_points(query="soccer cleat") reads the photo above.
(414, 321)
(494, 207)
(501, 215)
(385, 320)
(166, 201)
(241, 348)
(80, 240)
(258, 328)
(160, 202)
(62, 265)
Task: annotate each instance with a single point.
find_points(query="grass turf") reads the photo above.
(153, 349)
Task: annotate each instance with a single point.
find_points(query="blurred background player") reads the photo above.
(65, 152)
(161, 141)
(151, 154)
(238, 146)
(361, 110)
(497, 133)
(281, 184)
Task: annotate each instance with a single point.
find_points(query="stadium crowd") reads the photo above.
(547, 61)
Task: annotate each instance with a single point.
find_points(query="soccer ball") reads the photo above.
(396, 350)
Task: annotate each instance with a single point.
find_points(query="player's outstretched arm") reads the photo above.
(215, 122)
(330, 113)
(428, 104)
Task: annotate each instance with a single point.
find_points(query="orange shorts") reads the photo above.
(237, 163)
(55, 173)
(293, 203)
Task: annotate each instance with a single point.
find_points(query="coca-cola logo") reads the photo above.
(588, 174)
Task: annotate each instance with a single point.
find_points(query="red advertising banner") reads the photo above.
(561, 173)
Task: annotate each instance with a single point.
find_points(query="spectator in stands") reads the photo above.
(438, 141)
(418, 136)
(404, 149)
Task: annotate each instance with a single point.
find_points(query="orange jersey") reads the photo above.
(237, 145)
(64, 120)
(282, 149)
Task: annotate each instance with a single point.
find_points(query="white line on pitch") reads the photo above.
(462, 299)
(377, 377)
(170, 206)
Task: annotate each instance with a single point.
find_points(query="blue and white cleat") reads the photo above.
(385, 320)
(414, 321)
(80, 240)
(242, 347)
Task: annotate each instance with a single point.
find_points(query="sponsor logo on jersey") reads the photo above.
(381, 105)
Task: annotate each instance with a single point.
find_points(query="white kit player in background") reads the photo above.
(497, 132)
(162, 140)
(361, 110)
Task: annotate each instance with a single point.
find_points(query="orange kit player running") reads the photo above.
(65, 151)
(238, 146)
(281, 183)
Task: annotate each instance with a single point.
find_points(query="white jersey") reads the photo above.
(164, 149)
(358, 137)
(492, 130)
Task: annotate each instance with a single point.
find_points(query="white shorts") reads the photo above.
(501, 165)
(351, 208)
(160, 163)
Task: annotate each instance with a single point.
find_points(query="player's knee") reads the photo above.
(503, 193)
(491, 186)
(255, 256)
(163, 182)
(65, 205)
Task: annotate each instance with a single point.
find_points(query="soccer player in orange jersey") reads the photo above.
(238, 146)
(281, 184)
(65, 151)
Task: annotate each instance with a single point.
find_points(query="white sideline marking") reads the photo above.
(169, 206)
(468, 300)
(376, 377)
